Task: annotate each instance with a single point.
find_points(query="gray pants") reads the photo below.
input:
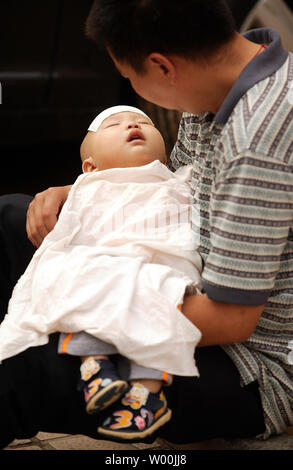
(83, 344)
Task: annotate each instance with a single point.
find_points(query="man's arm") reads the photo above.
(221, 323)
(43, 212)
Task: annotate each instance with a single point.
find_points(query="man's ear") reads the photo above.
(163, 66)
(88, 165)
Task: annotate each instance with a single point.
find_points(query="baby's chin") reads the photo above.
(147, 161)
(135, 163)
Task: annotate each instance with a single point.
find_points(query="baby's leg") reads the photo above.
(152, 379)
(100, 380)
(100, 383)
(83, 344)
(152, 385)
(94, 356)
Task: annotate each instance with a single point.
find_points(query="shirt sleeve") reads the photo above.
(250, 219)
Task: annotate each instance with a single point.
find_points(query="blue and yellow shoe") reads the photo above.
(137, 416)
(101, 384)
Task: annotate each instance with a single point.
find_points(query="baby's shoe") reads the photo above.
(137, 416)
(101, 384)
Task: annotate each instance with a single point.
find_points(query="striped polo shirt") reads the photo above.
(243, 182)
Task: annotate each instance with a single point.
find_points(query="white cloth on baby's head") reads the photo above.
(113, 110)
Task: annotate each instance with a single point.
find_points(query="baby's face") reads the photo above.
(123, 140)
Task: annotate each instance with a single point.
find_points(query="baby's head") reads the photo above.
(120, 137)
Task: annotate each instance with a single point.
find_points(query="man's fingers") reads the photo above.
(39, 221)
(32, 234)
(46, 214)
(36, 229)
(43, 213)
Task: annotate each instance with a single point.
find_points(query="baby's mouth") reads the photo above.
(135, 135)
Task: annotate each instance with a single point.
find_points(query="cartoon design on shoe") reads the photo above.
(88, 368)
(136, 397)
(101, 384)
(139, 414)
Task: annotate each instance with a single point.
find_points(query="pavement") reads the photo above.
(47, 441)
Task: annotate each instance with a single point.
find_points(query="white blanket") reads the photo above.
(116, 265)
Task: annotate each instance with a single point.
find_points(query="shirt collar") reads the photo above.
(258, 69)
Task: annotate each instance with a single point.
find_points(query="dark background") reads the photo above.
(54, 82)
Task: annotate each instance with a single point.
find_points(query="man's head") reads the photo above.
(133, 29)
(121, 137)
(164, 46)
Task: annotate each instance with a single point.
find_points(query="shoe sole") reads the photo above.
(120, 436)
(107, 396)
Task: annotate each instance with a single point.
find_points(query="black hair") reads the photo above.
(132, 29)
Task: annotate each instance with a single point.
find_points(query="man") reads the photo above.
(236, 131)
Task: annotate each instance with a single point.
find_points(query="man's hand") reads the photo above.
(43, 212)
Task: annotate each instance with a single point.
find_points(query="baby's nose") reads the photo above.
(133, 125)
